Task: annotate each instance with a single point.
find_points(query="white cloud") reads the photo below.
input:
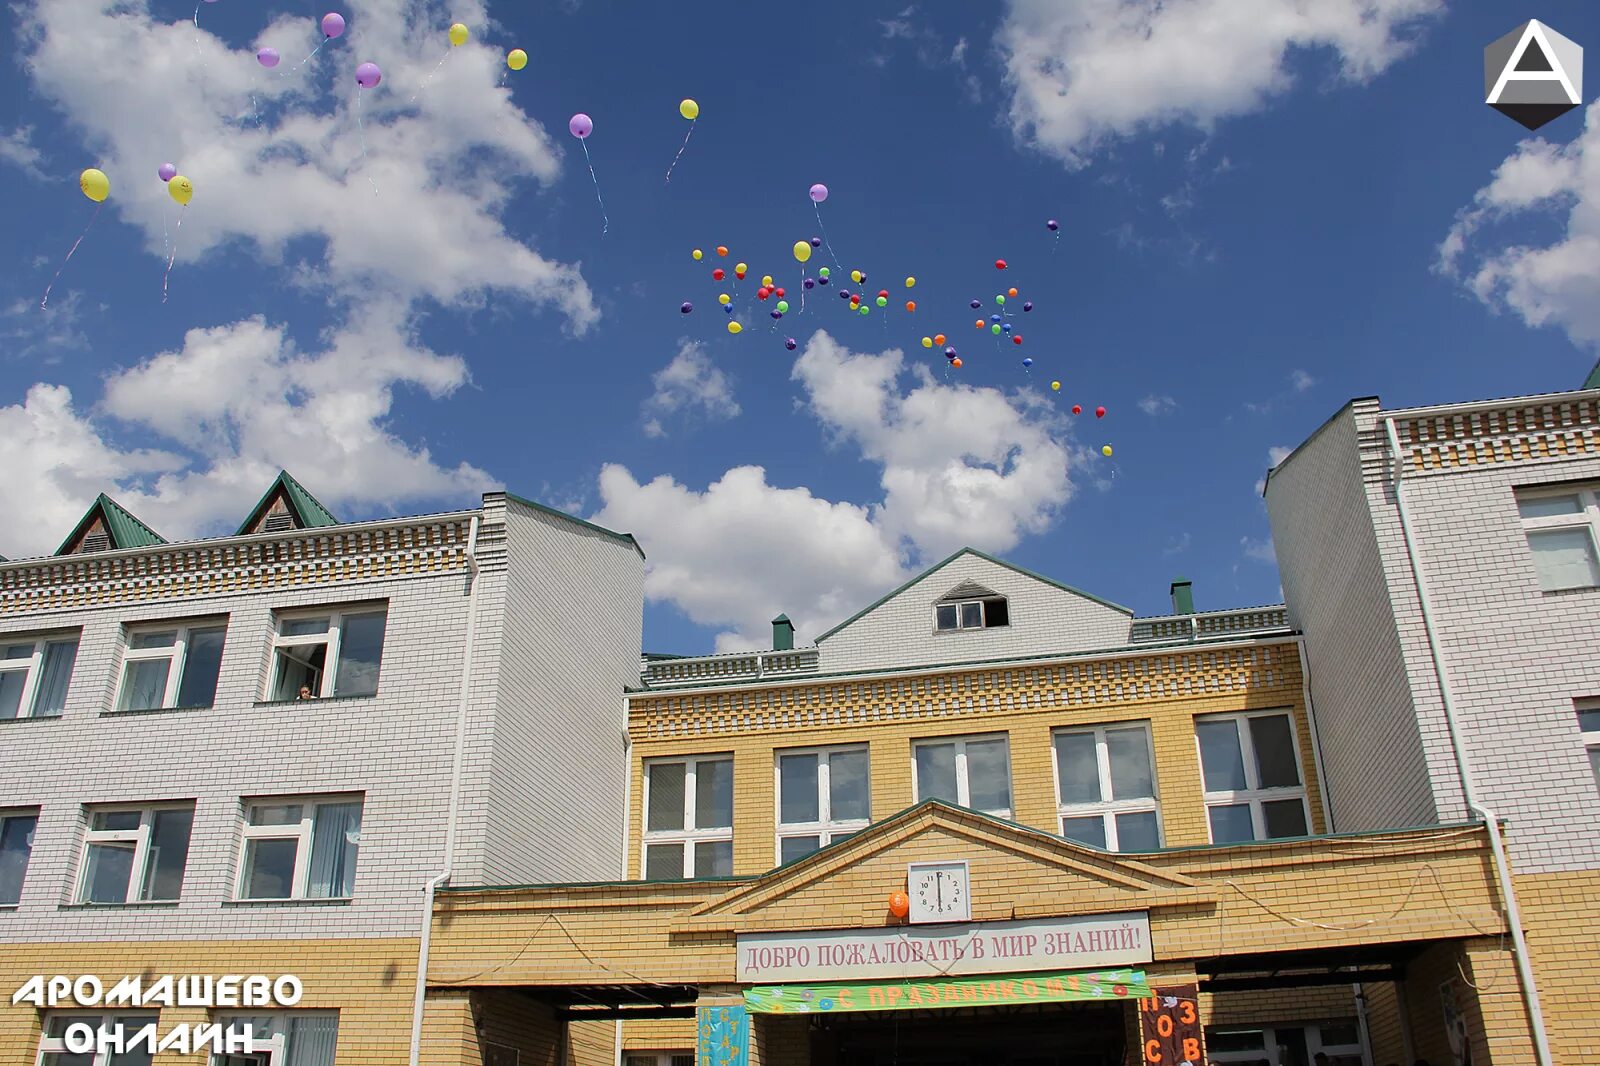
(17, 148)
(1154, 405)
(1553, 283)
(29, 331)
(1275, 455)
(1300, 381)
(691, 384)
(1084, 74)
(1259, 550)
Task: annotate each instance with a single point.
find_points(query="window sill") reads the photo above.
(168, 904)
(153, 710)
(1574, 591)
(32, 718)
(337, 901)
(314, 699)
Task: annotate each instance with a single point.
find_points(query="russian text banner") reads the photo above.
(954, 992)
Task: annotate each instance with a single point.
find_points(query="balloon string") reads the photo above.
(362, 133)
(174, 256)
(607, 222)
(307, 59)
(681, 147)
(825, 240)
(68, 259)
(802, 290)
(429, 78)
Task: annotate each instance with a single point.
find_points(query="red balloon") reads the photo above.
(855, 299)
(717, 274)
(884, 293)
(1016, 339)
(762, 293)
(1077, 409)
(739, 274)
(999, 264)
(778, 293)
(899, 904)
(1099, 412)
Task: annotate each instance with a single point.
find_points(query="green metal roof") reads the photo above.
(307, 508)
(1593, 380)
(626, 538)
(886, 597)
(126, 531)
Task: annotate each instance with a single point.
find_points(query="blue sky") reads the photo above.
(1264, 212)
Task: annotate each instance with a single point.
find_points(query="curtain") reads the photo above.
(311, 1039)
(335, 839)
(59, 657)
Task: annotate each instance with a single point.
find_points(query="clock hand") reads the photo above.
(938, 888)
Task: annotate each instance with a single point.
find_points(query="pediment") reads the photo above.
(848, 885)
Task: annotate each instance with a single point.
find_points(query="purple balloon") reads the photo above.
(580, 125)
(809, 283)
(1052, 225)
(822, 281)
(1028, 306)
(819, 192)
(844, 294)
(790, 344)
(687, 307)
(777, 315)
(949, 353)
(816, 242)
(368, 75)
(977, 304)
(332, 24)
(168, 171)
(268, 57)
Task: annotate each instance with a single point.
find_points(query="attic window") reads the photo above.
(96, 542)
(987, 613)
(278, 522)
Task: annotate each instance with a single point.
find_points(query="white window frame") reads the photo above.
(1108, 809)
(303, 832)
(655, 1058)
(826, 828)
(983, 609)
(1269, 1036)
(177, 652)
(691, 835)
(8, 814)
(34, 665)
(140, 838)
(1591, 737)
(1587, 518)
(1254, 795)
(332, 638)
(133, 1020)
(963, 782)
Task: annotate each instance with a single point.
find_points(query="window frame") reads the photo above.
(827, 828)
(1254, 796)
(1590, 737)
(1107, 808)
(963, 780)
(983, 605)
(140, 837)
(333, 638)
(133, 1019)
(9, 814)
(303, 832)
(691, 834)
(28, 701)
(1587, 518)
(1268, 1052)
(177, 654)
(656, 1058)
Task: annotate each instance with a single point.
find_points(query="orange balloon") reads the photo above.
(979, 323)
(939, 339)
(911, 305)
(899, 904)
(722, 250)
(956, 362)
(1011, 292)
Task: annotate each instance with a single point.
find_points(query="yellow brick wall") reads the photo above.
(1561, 919)
(1384, 1025)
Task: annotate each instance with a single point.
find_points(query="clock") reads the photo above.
(939, 892)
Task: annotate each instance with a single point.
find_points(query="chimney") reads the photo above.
(1183, 596)
(782, 633)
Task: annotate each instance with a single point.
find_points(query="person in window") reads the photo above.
(305, 693)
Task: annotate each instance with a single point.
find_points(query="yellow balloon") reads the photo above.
(1056, 385)
(741, 268)
(767, 280)
(95, 185)
(1106, 450)
(698, 253)
(517, 59)
(734, 327)
(927, 342)
(458, 35)
(689, 110)
(910, 282)
(802, 250)
(181, 188)
(724, 298)
(855, 276)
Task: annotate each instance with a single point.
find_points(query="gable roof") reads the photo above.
(936, 567)
(308, 510)
(125, 529)
(1593, 380)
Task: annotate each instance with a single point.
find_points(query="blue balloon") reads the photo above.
(994, 318)
(816, 242)
(1005, 327)
(844, 294)
(1027, 362)
(727, 308)
(949, 353)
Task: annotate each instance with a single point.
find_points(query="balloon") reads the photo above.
(777, 314)
(883, 301)
(718, 274)
(939, 339)
(95, 185)
(899, 904)
(855, 276)
(1099, 412)
(1017, 339)
(809, 283)
(843, 295)
(1106, 450)
(722, 249)
(790, 344)
(927, 342)
(816, 242)
(763, 292)
(824, 273)
(1006, 326)
(999, 264)
(994, 318)
(865, 308)
(911, 305)
(1052, 225)
(368, 75)
(1000, 299)
(167, 171)
(950, 353)
(783, 306)
(727, 309)
(458, 35)
(819, 193)
(1077, 409)
(1011, 292)
(697, 253)
(580, 125)
(778, 292)
(911, 283)
(956, 363)
(802, 250)
(723, 298)
(738, 271)
(979, 323)
(884, 293)
(734, 327)
(181, 188)
(332, 24)
(995, 330)
(687, 307)
(268, 57)
(1028, 306)
(740, 268)
(689, 109)
(766, 279)
(976, 304)
(823, 280)
(1027, 362)
(516, 59)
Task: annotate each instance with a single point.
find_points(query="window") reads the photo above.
(970, 772)
(822, 798)
(1286, 1045)
(986, 613)
(300, 848)
(283, 1038)
(1106, 788)
(34, 675)
(135, 855)
(1559, 525)
(53, 1044)
(688, 828)
(331, 653)
(16, 845)
(1251, 764)
(171, 666)
(658, 1058)
(1589, 723)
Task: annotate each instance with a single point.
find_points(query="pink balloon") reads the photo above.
(581, 125)
(268, 57)
(332, 24)
(168, 171)
(368, 75)
(819, 192)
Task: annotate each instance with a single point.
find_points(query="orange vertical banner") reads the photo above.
(1170, 1030)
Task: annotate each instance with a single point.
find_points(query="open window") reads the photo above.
(971, 606)
(318, 654)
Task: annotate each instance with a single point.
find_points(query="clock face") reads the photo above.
(939, 892)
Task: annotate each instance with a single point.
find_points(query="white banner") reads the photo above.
(1077, 943)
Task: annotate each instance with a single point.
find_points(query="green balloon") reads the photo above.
(1000, 299)
(995, 328)
(783, 305)
(883, 302)
(822, 273)
(865, 308)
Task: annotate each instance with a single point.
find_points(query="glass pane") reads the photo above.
(59, 658)
(713, 858)
(16, 844)
(1274, 744)
(666, 787)
(847, 786)
(988, 775)
(106, 873)
(64, 1059)
(713, 794)
(144, 684)
(1237, 1040)
(360, 653)
(299, 667)
(335, 840)
(797, 789)
(1136, 831)
(1284, 818)
(1594, 763)
(1564, 558)
(113, 821)
(1078, 768)
(663, 862)
(276, 814)
(1129, 752)
(1220, 758)
(269, 868)
(301, 627)
(12, 682)
(153, 640)
(1589, 721)
(1334, 1035)
(972, 616)
(201, 665)
(1090, 830)
(996, 613)
(945, 613)
(1231, 824)
(169, 851)
(311, 1039)
(1549, 506)
(792, 848)
(18, 651)
(936, 772)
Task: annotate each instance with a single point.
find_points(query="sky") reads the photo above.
(411, 294)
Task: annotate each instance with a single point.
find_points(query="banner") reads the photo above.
(955, 992)
(723, 1036)
(1170, 1031)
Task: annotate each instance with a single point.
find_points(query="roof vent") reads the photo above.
(278, 522)
(96, 542)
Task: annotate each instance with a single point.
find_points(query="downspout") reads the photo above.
(627, 826)
(1316, 742)
(1530, 991)
(426, 936)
